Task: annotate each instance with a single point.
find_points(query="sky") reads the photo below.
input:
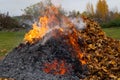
(14, 7)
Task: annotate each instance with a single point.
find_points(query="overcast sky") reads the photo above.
(14, 6)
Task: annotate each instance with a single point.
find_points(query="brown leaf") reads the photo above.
(112, 76)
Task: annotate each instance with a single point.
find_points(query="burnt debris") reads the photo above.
(28, 62)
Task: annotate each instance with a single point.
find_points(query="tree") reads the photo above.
(102, 9)
(7, 22)
(90, 9)
(33, 12)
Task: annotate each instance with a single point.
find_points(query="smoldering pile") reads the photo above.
(29, 62)
(51, 51)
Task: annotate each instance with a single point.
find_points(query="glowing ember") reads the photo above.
(56, 67)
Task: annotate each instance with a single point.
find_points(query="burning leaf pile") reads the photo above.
(60, 48)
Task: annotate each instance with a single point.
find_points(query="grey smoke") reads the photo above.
(56, 2)
(79, 23)
(48, 34)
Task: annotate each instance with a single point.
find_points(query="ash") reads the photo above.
(26, 62)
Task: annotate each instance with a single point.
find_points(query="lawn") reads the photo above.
(8, 40)
(113, 32)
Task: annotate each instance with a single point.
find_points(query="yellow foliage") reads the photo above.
(102, 9)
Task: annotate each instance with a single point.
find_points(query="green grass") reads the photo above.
(113, 32)
(8, 40)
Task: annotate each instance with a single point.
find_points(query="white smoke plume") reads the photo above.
(56, 2)
(79, 23)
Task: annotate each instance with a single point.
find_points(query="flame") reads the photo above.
(37, 32)
(73, 40)
(56, 67)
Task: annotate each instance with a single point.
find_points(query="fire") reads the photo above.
(73, 40)
(42, 28)
(38, 31)
(56, 67)
(48, 23)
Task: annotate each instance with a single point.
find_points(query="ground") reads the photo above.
(8, 40)
(113, 32)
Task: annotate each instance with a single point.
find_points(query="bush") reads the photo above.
(112, 23)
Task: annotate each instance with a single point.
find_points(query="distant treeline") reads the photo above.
(102, 14)
(7, 22)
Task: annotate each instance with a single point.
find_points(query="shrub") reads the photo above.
(112, 23)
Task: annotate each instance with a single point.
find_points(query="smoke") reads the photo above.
(49, 34)
(56, 2)
(46, 38)
(79, 23)
(50, 23)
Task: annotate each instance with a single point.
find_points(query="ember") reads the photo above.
(55, 67)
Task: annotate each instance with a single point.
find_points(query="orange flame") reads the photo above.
(73, 40)
(37, 32)
(55, 67)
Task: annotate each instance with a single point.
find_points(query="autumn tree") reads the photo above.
(102, 9)
(90, 9)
